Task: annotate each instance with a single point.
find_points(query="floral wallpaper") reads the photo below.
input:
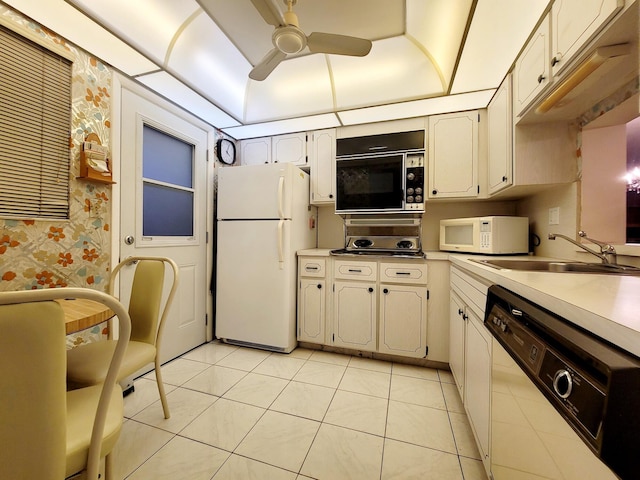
(75, 252)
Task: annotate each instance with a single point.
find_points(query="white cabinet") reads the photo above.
(290, 148)
(403, 309)
(453, 155)
(354, 315)
(470, 354)
(500, 146)
(477, 366)
(312, 299)
(532, 72)
(456, 340)
(574, 23)
(322, 161)
(255, 151)
(355, 304)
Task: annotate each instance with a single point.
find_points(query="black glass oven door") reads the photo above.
(370, 184)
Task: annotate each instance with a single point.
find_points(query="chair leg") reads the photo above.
(163, 396)
(109, 467)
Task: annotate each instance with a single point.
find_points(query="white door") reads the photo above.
(163, 211)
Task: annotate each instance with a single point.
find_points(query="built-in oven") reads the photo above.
(380, 173)
(564, 403)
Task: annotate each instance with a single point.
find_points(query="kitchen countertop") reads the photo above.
(607, 305)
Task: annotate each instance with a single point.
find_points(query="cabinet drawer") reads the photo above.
(351, 270)
(312, 267)
(415, 273)
(473, 291)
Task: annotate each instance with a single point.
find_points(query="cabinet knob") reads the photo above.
(331, 195)
(541, 78)
(370, 290)
(460, 312)
(504, 178)
(434, 192)
(319, 286)
(556, 60)
(465, 317)
(386, 290)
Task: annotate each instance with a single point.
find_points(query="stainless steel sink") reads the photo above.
(558, 266)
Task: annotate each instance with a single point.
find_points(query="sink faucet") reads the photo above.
(607, 252)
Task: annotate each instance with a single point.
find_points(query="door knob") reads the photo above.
(129, 240)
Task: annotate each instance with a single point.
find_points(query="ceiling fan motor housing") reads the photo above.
(289, 39)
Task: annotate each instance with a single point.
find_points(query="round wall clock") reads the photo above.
(226, 151)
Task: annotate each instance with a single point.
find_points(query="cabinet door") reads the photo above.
(453, 155)
(322, 160)
(355, 315)
(456, 340)
(403, 320)
(290, 148)
(311, 310)
(533, 67)
(574, 23)
(478, 381)
(500, 131)
(254, 151)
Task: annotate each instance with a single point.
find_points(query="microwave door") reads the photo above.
(370, 184)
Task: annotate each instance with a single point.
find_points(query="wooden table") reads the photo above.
(81, 313)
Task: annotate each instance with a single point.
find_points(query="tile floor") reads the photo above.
(239, 413)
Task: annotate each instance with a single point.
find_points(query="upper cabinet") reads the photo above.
(500, 146)
(532, 70)
(322, 161)
(289, 148)
(574, 23)
(255, 151)
(453, 155)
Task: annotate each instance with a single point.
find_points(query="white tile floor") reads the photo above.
(238, 413)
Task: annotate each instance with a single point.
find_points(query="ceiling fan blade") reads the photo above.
(269, 12)
(267, 64)
(338, 44)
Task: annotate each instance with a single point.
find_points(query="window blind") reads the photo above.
(35, 122)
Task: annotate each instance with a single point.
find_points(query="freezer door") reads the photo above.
(259, 191)
(255, 287)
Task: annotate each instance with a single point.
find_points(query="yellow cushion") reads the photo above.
(81, 411)
(88, 364)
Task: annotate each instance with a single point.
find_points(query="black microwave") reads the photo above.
(377, 181)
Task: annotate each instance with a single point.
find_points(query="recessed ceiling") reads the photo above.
(199, 53)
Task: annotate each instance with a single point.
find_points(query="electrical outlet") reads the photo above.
(554, 216)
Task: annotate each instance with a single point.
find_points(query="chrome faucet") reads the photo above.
(607, 252)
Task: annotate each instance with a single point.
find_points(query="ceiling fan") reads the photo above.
(289, 39)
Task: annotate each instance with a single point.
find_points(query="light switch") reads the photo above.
(554, 216)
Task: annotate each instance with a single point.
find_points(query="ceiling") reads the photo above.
(428, 56)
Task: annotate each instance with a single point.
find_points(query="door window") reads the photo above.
(167, 185)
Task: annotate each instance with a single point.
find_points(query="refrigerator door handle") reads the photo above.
(281, 196)
(280, 244)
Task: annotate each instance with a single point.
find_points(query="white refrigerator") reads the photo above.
(263, 219)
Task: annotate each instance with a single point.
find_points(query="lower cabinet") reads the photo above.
(470, 354)
(373, 306)
(354, 315)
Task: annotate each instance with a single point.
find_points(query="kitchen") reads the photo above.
(536, 206)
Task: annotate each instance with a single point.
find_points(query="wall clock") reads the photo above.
(226, 151)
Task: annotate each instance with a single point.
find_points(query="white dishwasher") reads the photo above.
(564, 403)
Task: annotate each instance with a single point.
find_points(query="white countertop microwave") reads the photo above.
(495, 235)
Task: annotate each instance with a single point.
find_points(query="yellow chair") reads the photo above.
(87, 364)
(45, 431)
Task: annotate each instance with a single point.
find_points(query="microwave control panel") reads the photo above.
(485, 234)
(414, 181)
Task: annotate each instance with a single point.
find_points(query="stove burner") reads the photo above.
(362, 243)
(404, 244)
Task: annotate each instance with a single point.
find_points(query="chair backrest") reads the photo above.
(32, 391)
(145, 303)
(33, 381)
